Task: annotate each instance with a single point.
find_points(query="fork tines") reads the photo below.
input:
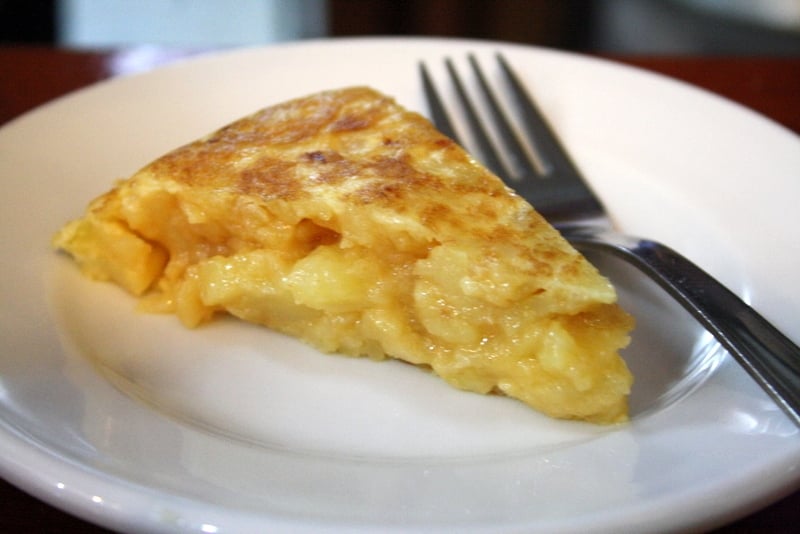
(520, 161)
(549, 156)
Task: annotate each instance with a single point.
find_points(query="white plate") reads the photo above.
(233, 428)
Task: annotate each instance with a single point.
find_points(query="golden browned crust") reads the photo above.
(374, 154)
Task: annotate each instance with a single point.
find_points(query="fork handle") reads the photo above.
(770, 357)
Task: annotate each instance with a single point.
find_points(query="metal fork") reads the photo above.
(551, 182)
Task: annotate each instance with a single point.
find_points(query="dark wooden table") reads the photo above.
(32, 76)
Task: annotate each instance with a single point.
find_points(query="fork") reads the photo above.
(552, 183)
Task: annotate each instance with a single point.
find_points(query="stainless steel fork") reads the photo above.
(551, 182)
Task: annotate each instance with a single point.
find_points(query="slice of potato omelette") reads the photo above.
(353, 224)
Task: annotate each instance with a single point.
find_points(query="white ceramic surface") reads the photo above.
(136, 423)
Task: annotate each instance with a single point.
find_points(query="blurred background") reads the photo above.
(668, 27)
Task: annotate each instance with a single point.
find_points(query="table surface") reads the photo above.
(35, 75)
